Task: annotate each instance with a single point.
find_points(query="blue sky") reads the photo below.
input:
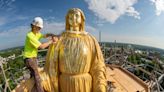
(126, 21)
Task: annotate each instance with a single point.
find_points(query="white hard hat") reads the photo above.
(38, 21)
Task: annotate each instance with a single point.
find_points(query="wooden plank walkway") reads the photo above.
(123, 82)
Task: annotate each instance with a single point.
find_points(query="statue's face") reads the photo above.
(74, 18)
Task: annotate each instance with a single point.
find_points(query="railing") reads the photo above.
(156, 75)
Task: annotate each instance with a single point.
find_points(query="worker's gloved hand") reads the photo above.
(53, 37)
(50, 35)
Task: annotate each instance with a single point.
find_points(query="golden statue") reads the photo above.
(75, 63)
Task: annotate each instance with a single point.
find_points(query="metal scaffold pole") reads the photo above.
(6, 81)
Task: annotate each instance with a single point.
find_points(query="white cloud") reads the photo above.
(7, 19)
(111, 10)
(90, 28)
(13, 37)
(15, 32)
(159, 5)
(53, 27)
(131, 12)
(6, 3)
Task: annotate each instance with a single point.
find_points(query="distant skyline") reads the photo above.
(126, 21)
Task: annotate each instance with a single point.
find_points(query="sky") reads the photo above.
(126, 21)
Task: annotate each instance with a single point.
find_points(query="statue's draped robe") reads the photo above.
(74, 64)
